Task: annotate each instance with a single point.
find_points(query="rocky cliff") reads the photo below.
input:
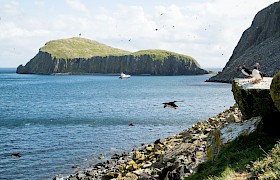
(259, 43)
(75, 56)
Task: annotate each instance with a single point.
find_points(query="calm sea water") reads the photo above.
(60, 122)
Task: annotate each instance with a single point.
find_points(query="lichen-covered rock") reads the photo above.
(252, 102)
(275, 90)
(255, 100)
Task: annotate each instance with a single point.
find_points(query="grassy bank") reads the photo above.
(256, 156)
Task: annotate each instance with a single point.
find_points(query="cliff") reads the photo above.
(81, 56)
(259, 43)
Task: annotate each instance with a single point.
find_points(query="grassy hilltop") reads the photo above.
(75, 47)
(80, 48)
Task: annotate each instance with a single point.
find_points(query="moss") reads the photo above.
(252, 102)
(216, 145)
(275, 90)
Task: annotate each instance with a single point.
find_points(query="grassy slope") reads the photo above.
(246, 155)
(85, 48)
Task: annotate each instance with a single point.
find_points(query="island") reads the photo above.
(83, 56)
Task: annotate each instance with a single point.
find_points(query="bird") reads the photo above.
(257, 74)
(16, 155)
(171, 104)
(247, 72)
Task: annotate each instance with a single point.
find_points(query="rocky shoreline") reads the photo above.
(175, 157)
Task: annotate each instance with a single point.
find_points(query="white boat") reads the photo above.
(123, 76)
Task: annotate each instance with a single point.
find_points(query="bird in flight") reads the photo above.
(171, 104)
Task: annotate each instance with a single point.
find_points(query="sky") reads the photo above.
(207, 30)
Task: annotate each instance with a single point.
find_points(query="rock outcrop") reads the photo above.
(255, 100)
(275, 90)
(259, 43)
(153, 62)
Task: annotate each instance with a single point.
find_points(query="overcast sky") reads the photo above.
(207, 30)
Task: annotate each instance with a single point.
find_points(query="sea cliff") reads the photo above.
(99, 58)
(258, 44)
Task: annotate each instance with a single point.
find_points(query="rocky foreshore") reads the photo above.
(175, 157)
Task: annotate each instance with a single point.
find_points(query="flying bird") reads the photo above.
(171, 104)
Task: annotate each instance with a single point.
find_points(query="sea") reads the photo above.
(60, 124)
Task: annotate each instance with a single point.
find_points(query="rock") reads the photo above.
(233, 130)
(255, 100)
(258, 44)
(130, 176)
(275, 90)
(232, 118)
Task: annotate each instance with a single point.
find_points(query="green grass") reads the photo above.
(84, 48)
(79, 48)
(159, 54)
(269, 167)
(236, 157)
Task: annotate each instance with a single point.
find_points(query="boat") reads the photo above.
(123, 76)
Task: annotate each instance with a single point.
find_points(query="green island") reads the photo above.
(84, 56)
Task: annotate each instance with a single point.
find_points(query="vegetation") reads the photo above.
(79, 48)
(84, 48)
(159, 54)
(246, 156)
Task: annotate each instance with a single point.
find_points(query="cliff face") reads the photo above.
(259, 43)
(44, 63)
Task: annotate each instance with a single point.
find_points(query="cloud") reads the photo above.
(207, 30)
(77, 5)
(12, 8)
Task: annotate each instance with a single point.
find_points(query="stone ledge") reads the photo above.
(246, 83)
(255, 100)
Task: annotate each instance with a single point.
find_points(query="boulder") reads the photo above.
(255, 100)
(275, 90)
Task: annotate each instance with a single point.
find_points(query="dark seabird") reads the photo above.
(16, 155)
(171, 104)
(247, 72)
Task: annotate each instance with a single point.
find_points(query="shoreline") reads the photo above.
(176, 156)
